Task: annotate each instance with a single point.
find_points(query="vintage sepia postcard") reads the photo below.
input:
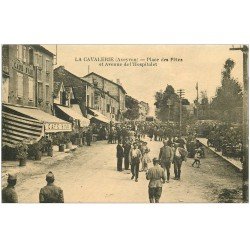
(124, 123)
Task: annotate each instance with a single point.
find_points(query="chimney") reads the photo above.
(118, 82)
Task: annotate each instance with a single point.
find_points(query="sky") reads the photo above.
(197, 63)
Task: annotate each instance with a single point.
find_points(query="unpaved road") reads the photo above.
(89, 175)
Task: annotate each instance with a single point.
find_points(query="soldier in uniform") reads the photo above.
(51, 193)
(9, 194)
(156, 176)
(166, 156)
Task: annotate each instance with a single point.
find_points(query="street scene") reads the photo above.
(84, 175)
(172, 127)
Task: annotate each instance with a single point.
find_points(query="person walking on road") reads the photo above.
(89, 137)
(197, 157)
(9, 194)
(51, 193)
(156, 176)
(134, 159)
(145, 158)
(180, 155)
(166, 156)
(119, 156)
(126, 147)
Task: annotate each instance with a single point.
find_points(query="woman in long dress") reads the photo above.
(145, 157)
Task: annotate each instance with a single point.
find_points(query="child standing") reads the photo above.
(197, 157)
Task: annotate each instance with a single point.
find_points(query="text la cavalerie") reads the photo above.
(104, 59)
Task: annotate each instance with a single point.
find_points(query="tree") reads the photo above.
(228, 96)
(168, 105)
(132, 106)
(204, 106)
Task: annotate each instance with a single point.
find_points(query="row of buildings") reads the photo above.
(38, 99)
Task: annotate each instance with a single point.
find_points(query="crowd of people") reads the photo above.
(227, 139)
(133, 153)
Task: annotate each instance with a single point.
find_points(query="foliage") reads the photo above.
(22, 149)
(58, 138)
(168, 105)
(132, 106)
(229, 95)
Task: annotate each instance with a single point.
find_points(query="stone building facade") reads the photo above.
(28, 76)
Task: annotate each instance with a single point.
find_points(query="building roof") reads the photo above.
(70, 73)
(120, 86)
(41, 48)
(85, 82)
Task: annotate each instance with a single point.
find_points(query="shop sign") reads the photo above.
(57, 127)
(23, 68)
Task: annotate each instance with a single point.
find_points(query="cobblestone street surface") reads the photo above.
(89, 175)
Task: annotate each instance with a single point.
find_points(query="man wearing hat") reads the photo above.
(135, 159)
(180, 155)
(166, 157)
(51, 193)
(9, 194)
(156, 176)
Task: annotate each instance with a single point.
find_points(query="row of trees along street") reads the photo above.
(228, 101)
(226, 105)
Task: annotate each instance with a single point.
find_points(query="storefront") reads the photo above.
(71, 114)
(23, 122)
(98, 117)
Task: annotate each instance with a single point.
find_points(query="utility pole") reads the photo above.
(181, 93)
(169, 103)
(197, 100)
(55, 57)
(245, 171)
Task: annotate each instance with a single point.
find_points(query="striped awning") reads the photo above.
(16, 128)
(20, 122)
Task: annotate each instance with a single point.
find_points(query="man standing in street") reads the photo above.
(51, 193)
(119, 156)
(156, 176)
(88, 137)
(9, 194)
(134, 159)
(166, 157)
(180, 155)
(126, 147)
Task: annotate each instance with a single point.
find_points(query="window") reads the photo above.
(24, 54)
(108, 108)
(19, 52)
(87, 100)
(48, 66)
(40, 60)
(47, 77)
(92, 100)
(31, 88)
(39, 75)
(40, 90)
(31, 56)
(20, 85)
(36, 59)
(47, 93)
